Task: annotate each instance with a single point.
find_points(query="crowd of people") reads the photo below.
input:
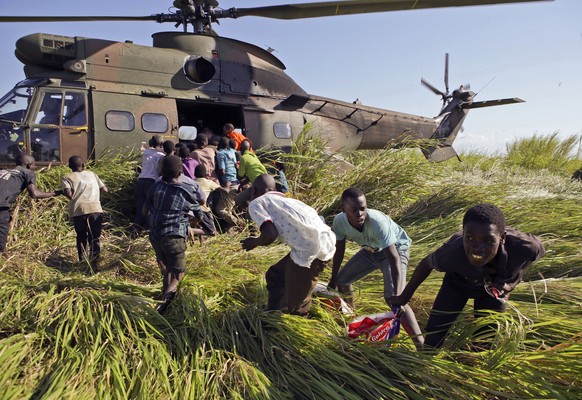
(213, 184)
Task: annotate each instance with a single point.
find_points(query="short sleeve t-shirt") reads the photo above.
(188, 167)
(226, 160)
(379, 231)
(207, 186)
(86, 187)
(150, 166)
(298, 225)
(206, 157)
(251, 166)
(13, 182)
(517, 252)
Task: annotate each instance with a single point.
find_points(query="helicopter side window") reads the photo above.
(45, 144)
(154, 123)
(50, 109)
(74, 109)
(119, 121)
(282, 130)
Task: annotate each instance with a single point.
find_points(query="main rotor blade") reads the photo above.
(77, 18)
(447, 72)
(330, 8)
(432, 88)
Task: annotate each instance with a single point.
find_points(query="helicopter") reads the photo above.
(82, 96)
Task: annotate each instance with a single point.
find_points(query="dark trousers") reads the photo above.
(88, 230)
(290, 285)
(141, 190)
(5, 218)
(449, 303)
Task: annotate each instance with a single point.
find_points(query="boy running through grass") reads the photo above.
(83, 188)
(484, 262)
(291, 280)
(385, 246)
(168, 204)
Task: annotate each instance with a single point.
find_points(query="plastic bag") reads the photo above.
(376, 327)
(331, 298)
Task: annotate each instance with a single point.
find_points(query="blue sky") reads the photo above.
(530, 50)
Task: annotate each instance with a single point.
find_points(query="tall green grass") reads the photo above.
(69, 332)
(549, 152)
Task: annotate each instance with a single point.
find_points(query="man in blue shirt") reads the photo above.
(385, 246)
(168, 203)
(226, 165)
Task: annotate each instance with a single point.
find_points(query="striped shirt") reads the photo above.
(168, 205)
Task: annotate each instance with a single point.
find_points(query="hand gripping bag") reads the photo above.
(376, 327)
(331, 298)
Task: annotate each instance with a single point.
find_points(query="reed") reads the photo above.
(69, 332)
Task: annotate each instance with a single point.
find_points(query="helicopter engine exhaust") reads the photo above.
(198, 69)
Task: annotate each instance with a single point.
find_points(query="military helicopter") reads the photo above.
(83, 95)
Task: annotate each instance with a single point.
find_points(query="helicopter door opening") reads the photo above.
(60, 127)
(209, 116)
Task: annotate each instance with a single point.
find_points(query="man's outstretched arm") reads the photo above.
(338, 257)
(35, 193)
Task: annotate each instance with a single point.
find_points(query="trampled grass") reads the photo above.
(66, 332)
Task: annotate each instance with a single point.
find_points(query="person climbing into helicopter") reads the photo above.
(485, 262)
(385, 246)
(229, 132)
(12, 183)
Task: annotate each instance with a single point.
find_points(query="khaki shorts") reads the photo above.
(171, 251)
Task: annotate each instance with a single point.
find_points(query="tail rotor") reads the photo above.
(445, 96)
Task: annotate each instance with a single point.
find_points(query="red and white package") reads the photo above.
(375, 327)
(331, 298)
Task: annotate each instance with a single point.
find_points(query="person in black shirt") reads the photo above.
(12, 183)
(484, 262)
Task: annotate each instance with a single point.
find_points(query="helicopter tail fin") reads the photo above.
(438, 154)
(450, 123)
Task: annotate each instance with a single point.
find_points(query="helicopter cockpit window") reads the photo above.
(154, 123)
(74, 110)
(13, 106)
(282, 130)
(119, 121)
(50, 109)
(11, 142)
